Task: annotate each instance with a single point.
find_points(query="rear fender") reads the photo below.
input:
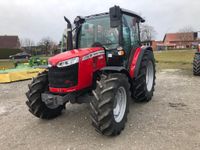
(136, 60)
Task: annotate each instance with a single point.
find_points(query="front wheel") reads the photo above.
(36, 106)
(143, 84)
(109, 107)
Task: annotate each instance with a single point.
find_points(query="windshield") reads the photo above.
(98, 31)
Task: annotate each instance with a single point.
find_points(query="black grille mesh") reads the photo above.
(63, 77)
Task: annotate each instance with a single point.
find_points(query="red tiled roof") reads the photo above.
(11, 42)
(177, 37)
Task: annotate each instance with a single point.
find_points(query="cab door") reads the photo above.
(130, 32)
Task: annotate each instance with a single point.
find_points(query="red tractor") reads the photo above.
(196, 62)
(104, 62)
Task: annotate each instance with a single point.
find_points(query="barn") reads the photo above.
(9, 45)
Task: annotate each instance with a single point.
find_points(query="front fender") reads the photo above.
(116, 69)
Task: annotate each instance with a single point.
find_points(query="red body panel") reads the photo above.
(90, 60)
(134, 61)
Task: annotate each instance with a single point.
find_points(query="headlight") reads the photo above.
(68, 62)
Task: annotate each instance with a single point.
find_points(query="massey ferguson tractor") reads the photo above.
(196, 62)
(104, 64)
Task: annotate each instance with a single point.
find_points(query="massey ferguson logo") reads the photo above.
(94, 54)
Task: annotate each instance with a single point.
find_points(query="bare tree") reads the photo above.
(27, 44)
(47, 44)
(186, 29)
(186, 35)
(147, 32)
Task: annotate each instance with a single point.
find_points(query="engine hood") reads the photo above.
(71, 54)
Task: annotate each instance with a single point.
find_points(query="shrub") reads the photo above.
(5, 53)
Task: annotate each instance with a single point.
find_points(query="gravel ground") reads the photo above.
(170, 121)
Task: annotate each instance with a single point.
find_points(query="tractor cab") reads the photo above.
(117, 32)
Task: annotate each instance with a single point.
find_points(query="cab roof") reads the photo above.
(123, 11)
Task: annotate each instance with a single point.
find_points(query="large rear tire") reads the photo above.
(196, 64)
(143, 84)
(109, 107)
(36, 106)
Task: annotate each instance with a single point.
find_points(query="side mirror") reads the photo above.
(115, 16)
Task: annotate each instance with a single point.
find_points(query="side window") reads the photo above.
(87, 35)
(130, 32)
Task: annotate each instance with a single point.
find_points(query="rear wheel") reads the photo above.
(196, 64)
(143, 84)
(36, 106)
(109, 107)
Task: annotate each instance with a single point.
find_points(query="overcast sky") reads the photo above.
(36, 19)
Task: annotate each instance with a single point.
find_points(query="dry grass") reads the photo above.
(174, 59)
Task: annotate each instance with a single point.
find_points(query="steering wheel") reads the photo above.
(96, 44)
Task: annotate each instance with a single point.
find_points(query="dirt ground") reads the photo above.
(170, 121)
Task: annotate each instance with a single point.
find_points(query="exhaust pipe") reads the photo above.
(69, 34)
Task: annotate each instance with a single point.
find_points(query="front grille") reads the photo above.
(63, 77)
